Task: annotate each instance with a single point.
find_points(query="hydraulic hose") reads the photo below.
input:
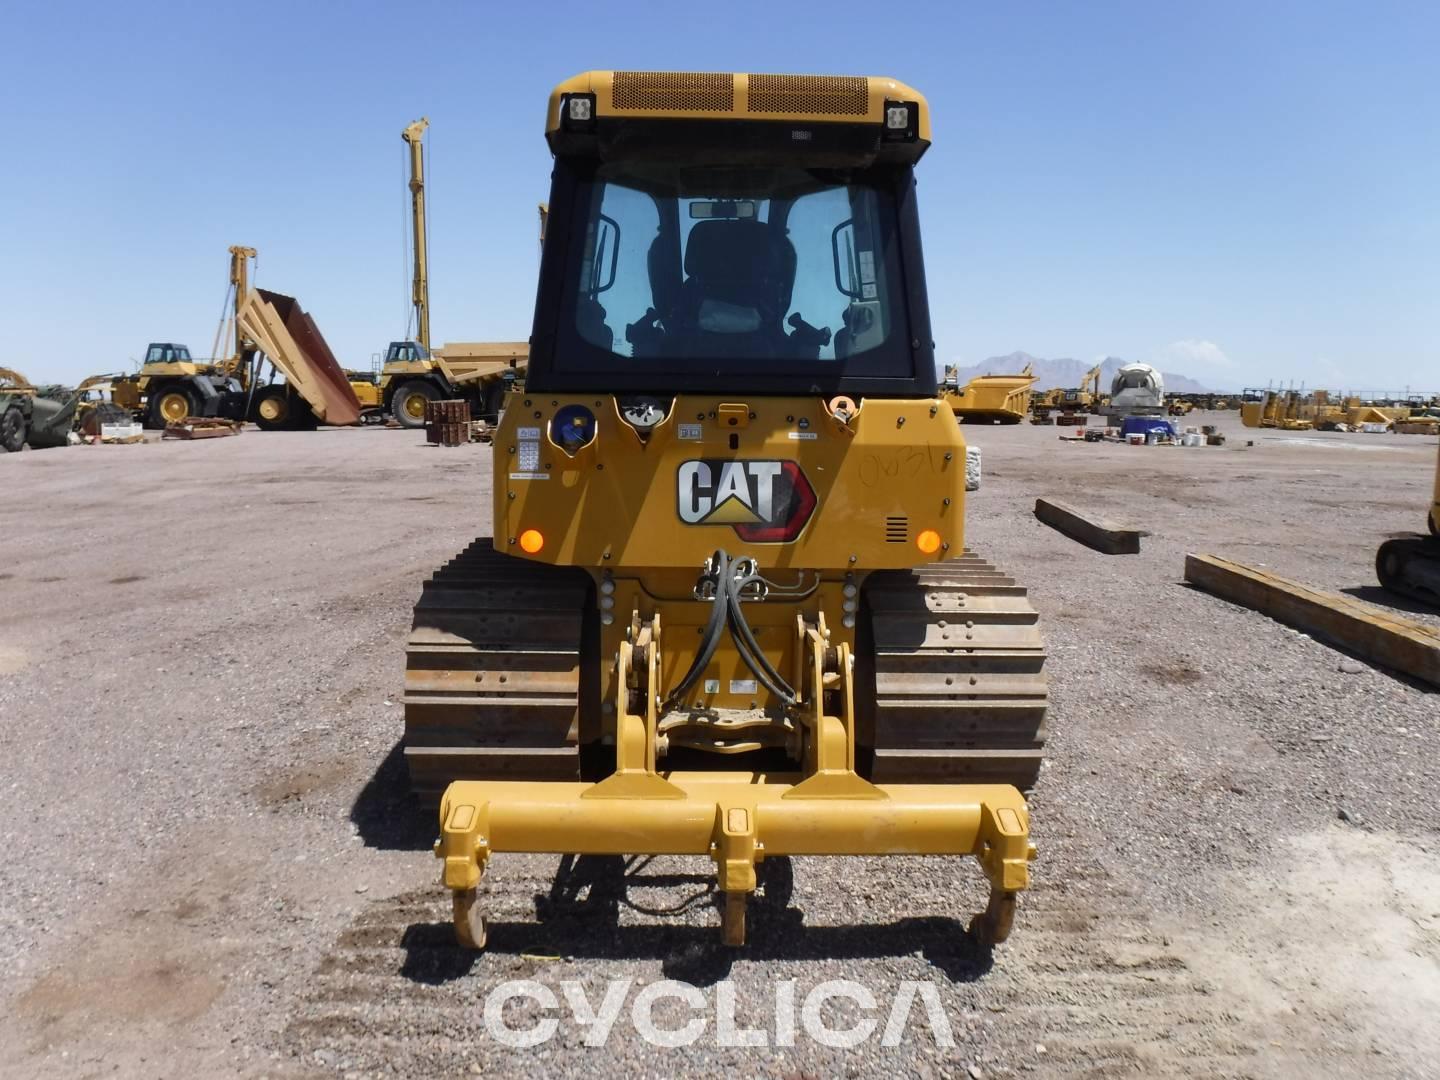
(714, 627)
(749, 649)
(728, 579)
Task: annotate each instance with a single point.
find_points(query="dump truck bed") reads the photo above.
(294, 344)
(476, 361)
(993, 397)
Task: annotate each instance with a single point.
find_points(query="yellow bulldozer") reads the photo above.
(727, 610)
(1410, 565)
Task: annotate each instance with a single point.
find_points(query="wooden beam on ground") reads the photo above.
(202, 427)
(1104, 536)
(1371, 632)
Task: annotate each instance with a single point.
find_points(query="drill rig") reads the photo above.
(414, 374)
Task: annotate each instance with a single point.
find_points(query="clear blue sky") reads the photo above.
(1239, 191)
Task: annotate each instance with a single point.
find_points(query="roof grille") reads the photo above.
(686, 91)
(847, 95)
(897, 530)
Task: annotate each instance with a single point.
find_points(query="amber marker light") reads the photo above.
(531, 541)
(928, 541)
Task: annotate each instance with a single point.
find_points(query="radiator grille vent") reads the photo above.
(846, 95)
(897, 530)
(696, 92)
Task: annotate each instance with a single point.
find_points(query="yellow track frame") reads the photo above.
(737, 818)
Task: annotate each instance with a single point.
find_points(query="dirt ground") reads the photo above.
(211, 865)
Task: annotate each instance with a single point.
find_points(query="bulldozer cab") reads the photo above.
(674, 263)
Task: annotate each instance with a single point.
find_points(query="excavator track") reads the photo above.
(956, 688)
(951, 687)
(494, 672)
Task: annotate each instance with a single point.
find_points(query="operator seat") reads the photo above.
(739, 276)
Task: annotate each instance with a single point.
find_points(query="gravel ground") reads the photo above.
(211, 865)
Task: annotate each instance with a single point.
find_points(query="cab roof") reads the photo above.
(850, 100)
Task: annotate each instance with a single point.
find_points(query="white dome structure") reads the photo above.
(1137, 388)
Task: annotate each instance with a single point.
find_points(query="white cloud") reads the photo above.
(1191, 353)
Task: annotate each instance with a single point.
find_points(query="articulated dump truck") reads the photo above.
(727, 609)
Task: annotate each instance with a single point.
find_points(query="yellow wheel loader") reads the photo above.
(728, 610)
(1410, 565)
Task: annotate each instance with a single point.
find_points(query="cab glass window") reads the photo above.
(739, 266)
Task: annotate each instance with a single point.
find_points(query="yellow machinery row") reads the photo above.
(1293, 410)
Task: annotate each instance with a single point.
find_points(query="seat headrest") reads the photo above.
(718, 250)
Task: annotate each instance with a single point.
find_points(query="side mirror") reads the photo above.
(606, 255)
(846, 274)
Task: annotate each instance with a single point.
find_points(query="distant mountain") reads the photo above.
(1065, 372)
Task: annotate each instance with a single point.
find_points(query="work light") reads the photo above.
(902, 121)
(577, 112)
